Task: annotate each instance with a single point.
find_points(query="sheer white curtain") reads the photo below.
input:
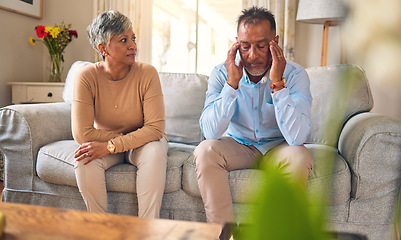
(140, 14)
(285, 13)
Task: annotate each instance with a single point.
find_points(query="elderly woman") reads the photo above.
(118, 116)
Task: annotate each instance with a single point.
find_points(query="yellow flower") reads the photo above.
(54, 31)
(32, 41)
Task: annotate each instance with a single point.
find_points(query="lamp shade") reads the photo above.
(320, 11)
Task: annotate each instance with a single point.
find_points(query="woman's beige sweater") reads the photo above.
(130, 112)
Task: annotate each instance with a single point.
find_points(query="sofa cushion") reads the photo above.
(327, 88)
(325, 177)
(55, 164)
(245, 182)
(184, 97)
(69, 81)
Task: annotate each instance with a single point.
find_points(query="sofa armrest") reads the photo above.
(23, 130)
(371, 144)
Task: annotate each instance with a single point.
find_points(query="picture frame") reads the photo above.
(31, 8)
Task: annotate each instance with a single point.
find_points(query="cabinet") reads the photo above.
(36, 92)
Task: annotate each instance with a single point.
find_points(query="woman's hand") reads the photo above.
(91, 151)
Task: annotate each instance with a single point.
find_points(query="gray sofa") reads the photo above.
(37, 143)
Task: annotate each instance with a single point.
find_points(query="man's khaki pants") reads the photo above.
(151, 161)
(214, 158)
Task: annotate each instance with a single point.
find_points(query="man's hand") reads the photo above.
(278, 63)
(91, 151)
(234, 72)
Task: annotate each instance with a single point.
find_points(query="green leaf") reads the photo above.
(282, 211)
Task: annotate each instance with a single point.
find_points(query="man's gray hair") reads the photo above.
(105, 26)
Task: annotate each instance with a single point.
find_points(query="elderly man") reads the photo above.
(256, 104)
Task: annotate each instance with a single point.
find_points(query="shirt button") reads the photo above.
(256, 108)
(257, 131)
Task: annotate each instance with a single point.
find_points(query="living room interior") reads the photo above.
(23, 62)
(19, 54)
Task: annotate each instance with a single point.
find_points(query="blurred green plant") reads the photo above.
(282, 211)
(373, 39)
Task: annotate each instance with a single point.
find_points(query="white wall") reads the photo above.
(308, 47)
(20, 61)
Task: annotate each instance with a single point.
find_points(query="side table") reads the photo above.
(36, 92)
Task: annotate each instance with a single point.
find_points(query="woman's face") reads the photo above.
(122, 48)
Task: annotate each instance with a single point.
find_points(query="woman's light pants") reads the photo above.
(151, 161)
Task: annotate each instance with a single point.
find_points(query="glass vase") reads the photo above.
(55, 67)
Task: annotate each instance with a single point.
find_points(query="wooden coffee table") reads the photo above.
(35, 222)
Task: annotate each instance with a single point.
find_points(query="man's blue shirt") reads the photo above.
(252, 114)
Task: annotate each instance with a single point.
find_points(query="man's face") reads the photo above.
(254, 47)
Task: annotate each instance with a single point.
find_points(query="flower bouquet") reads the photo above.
(56, 40)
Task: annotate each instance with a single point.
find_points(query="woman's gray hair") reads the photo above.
(105, 26)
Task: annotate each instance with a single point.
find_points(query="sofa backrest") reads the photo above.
(184, 97)
(339, 92)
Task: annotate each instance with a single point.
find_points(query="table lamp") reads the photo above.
(326, 12)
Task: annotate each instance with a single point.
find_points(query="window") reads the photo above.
(192, 35)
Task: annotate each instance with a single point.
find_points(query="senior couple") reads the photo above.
(257, 103)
